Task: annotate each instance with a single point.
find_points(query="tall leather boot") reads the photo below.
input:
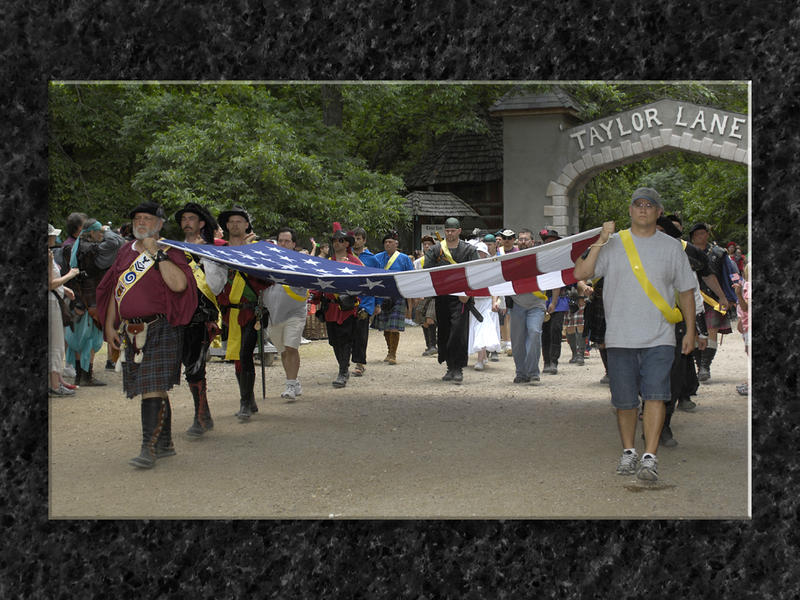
(202, 416)
(571, 342)
(394, 340)
(79, 373)
(245, 391)
(579, 347)
(252, 388)
(239, 383)
(153, 410)
(164, 445)
(387, 335)
(704, 372)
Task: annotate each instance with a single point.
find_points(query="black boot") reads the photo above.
(573, 347)
(153, 410)
(164, 445)
(202, 416)
(89, 379)
(704, 372)
(246, 400)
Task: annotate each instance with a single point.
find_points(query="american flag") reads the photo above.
(535, 269)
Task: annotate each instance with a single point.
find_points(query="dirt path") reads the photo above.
(399, 442)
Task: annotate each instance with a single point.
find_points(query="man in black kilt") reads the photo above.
(452, 313)
(198, 228)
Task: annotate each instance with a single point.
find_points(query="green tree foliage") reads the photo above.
(263, 147)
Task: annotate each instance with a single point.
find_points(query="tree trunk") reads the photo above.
(331, 105)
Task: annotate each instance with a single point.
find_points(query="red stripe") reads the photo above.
(519, 268)
(579, 248)
(448, 281)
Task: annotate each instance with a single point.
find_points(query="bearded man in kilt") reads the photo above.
(144, 300)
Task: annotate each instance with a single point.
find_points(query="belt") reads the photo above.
(148, 319)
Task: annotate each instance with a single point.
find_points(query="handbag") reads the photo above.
(69, 315)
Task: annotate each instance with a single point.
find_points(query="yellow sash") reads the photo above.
(200, 279)
(391, 260)
(671, 314)
(141, 265)
(712, 303)
(291, 294)
(234, 330)
(447, 254)
(541, 295)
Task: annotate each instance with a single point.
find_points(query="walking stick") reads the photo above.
(259, 314)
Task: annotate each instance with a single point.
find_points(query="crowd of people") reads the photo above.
(160, 309)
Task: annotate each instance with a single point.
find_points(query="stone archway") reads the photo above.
(636, 134)
(548, 156)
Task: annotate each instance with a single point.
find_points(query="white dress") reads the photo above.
(484, 334)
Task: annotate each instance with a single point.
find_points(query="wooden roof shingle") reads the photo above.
(438, 204)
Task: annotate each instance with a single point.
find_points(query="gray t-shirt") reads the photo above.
(528, 301)
(632, 320)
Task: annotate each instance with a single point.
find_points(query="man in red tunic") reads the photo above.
(143, 301)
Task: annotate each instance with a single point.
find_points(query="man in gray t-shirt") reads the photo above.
(639, 338)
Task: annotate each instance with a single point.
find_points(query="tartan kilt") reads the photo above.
(395, 319)
(160, 368)
(574, 319)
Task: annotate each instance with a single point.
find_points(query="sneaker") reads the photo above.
(304, 340)
(520, 379)
(703, 374)
(340, 381)
(546, 368)
(574, 359)
(479, 366)
(628, 463)
(686, 404)
(648, 468)
(298, 389)
(605, 379)
(288, 393)
(586, 354)
(61, 391)
(110, 366)
(448, 376)
(553, 370)
(69, 371)
(535, 378)
(742, 389)
(579, 360)
(494, 357)
(430, 351)
(458, 376)
(70, 386)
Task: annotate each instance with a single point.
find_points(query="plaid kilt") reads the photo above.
(394, 320)
(160, 368)
(574, 319)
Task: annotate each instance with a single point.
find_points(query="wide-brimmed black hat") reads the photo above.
(668, 226)
(202, 212)
(696, 227)
(236, 210)
(151, 208)
(341, 235)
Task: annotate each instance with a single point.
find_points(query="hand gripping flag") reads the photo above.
(535, 269)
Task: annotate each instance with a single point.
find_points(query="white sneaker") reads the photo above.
(479, 365)
(298, 390)
(288, 393)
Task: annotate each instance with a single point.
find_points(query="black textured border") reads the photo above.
(398, 39)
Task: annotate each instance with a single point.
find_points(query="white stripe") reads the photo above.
(415, 284)
(555, 257)
(483, 273)
(502, 289)
(550, 281)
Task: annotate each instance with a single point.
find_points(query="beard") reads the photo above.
(139, 235)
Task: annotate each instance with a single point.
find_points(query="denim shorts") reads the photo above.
(639, 370)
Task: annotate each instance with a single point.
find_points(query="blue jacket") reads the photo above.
(368, 302)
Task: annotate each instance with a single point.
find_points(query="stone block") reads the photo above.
(741, 156)
(685, 142)
(728, 150)
(716, 150)
(616, 152)
(657, 141)
(579, 166)
(560, 223)
(647, 142)
(587, 160)
(626, 147)
(607, 156)
(666, 137)
(555, 189)
(597, 159)
(637, 148)
(674, 141)
(705, 145)
(564, 179)
(695, 145)
(571, 171)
